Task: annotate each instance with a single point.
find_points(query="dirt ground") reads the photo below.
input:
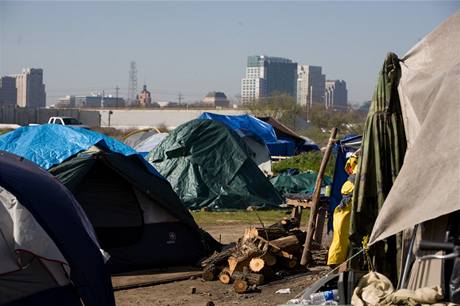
(180, 292)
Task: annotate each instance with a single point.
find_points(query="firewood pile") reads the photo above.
(258, 256)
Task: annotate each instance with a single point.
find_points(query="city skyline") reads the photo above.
(176, 49)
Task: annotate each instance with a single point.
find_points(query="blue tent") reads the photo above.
(50, 144)
(251, 126)
(348, 144)
(48, 212)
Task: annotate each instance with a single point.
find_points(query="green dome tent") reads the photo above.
(209, 166)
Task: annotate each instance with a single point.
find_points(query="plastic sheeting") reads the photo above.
(346, 145)
(246, 124)
(251, 126)
(209, 165)
(302, 143)
(303, 182)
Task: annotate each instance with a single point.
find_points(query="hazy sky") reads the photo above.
(196, 47)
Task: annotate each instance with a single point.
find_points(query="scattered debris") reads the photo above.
(284, 291)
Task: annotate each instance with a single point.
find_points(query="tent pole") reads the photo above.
(306, 255)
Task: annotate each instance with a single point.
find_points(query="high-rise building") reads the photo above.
(336, 95)
(8, 92)
(266, 75)
(310, 85)
(30, 88)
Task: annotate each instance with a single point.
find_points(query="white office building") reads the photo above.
(336, 95)
(266, 75)
(310, 85)
(30, 88)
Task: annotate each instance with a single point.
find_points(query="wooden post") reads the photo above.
(319, 227)
(306, 255)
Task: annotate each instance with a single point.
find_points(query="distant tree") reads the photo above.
(365, 107)
(280, 106)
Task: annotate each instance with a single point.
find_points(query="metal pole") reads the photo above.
(306, 255)
(407, 265)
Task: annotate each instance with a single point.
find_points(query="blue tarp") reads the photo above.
(341, 148)
(59, 214)
(251, 126)
(50, 144)
(246, 124)
(281, 148)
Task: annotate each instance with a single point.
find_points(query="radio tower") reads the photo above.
(132, 86)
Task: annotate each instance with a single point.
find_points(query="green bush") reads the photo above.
(304, 162)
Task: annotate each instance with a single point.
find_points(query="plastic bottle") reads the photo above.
(322, 297)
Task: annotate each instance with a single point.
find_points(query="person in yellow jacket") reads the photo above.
(338, 250)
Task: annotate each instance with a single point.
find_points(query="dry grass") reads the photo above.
(243, 217)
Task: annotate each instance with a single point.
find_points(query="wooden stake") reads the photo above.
(306, 255)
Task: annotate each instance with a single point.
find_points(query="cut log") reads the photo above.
(271, 232)
(290, 263)
(240, 286)
(242, 256)
(224, 276)
(251, 278)
(232, 263)
(210, 273)
(274, 249)
(269, 259)
(256, 264)
(218, 258)
(285, 242)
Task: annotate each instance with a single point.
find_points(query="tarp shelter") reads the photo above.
(298, 183)
(302, 143)
(382, 153)
(254, 134)
(48, 250)
(138, 218)
(429, 89)
(251, 126)
(209, 166)
(348, 144)
(425, 190)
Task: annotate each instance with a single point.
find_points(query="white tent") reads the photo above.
(150, 143)
(261, 154)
